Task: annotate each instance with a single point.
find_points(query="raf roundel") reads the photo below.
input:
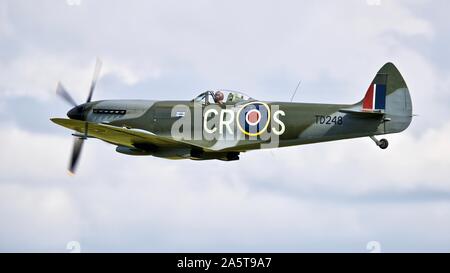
(254, 118)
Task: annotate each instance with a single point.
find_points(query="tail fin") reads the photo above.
(388, 94)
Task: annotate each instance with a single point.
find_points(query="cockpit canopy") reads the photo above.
(230, 97)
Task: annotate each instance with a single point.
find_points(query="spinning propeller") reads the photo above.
(77, 112)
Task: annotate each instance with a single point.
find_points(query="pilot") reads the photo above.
(218, 97)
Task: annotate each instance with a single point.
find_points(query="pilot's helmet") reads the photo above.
(218, 96)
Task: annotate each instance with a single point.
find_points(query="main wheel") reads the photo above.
(383, 143)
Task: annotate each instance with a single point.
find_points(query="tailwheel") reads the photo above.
(383, 143)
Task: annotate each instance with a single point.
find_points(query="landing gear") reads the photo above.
(382, 143)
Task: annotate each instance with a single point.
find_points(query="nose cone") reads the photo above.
(76, 113)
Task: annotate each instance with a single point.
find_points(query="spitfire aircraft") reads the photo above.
(222, 124)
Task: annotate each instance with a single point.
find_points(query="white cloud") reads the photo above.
(224, 45)
(36, 218)
(309, 194)
(36, 73)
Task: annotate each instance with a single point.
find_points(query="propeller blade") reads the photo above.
(98, 66)
(77, 147)
(62, 92)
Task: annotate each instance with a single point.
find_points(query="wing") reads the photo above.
(118, 135)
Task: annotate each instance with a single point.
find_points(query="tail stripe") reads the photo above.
(368, 99)
(380, 98)
(375, 98)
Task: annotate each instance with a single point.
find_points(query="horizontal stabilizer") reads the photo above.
(363, 113)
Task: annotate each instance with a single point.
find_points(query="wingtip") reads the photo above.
(55, 120)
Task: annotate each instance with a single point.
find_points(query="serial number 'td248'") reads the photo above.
(329, 120)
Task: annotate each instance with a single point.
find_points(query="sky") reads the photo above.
(343, 196)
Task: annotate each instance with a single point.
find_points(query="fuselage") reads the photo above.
(302, 122)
